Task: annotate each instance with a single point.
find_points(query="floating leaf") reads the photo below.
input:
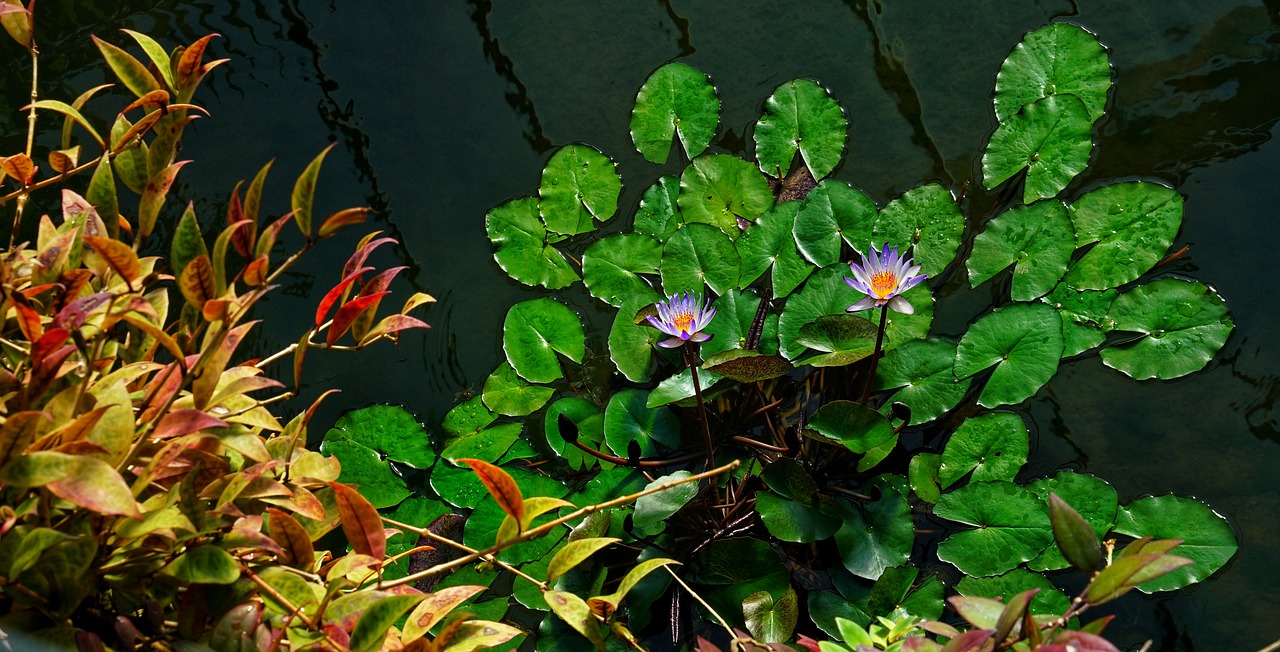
(802, 115)
(657, 507)
(1084, 317)
(696, 256)
(841, 339)
(659, 212)
(1207, 539)
(587, 420)
(832, 213)
(1050, 138)
(676, 100)
(1091, 497)
(1048, 601)
(1037, 240)
(628, 419)
(923, 371)
(1024, 341)
(578, 184)
(824, 293)
(926, 219)
(534, 331)
(1133, 225)
(852, 425)
(468, 418)
(1012, 527)
(505, 392)
(487, 445)
(993, 445)
(1184, 325)
(679, 387)
(1075, 538)
(366, 441)
(746, 366)
(767, 245)
(798, 521)
(769, 620)
(520, 245)
(1059, 58)
(922, 473)
(735, 314)
(719, 189)
(879, 536)
(610, 267)
(630, 343)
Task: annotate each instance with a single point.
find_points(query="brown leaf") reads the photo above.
(196, 281)
(19, 430)
(345, 217)
(500, 485)
(122, 259)
(19, 166)
(293, 539)
(360, 522)
(64, 160)
(158, 98)
(391, 325)
(189, 64)
(255, 273)
(28, 319)
(362, 253)
(185, 422)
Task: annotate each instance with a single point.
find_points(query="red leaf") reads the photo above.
(293, 538)
(331, 297)
(380, 282)
(362, 254)
(360, 522)
(28, 318)
(348, 313)
(500, 486)
(185, 422)
(74, 315)
(392, 324)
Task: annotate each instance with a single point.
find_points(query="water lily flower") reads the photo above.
(682, 316)
(883, 278)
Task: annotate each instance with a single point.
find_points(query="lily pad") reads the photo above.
(1037, 240)
(1059, 58)
(1133, 225)
(578, 184)
(719, 189)
(699, 255)
(901, 328)
(521, 247)
(926, 219)
(824, 293)
(840, 339)
(589, 421)
(849, 424)
(746, 366)
(798, 521)
(676, 100)
(1091, 497)
(1049, 601)
(631, 343)
(767, 245)
(488, 445)
(534, 331)
(1050, 138)
(923, 371)
(610, 267)
(468, 417)
(659, 214)
(505, 392)
(679, 387)
(1184, 325)
(802, 115)
(1084, 317)
(628, 419)
(657, 507)
(1012, 527)
(366, 441)
(735, 314)
(1024, 341)
(877, 537)
(833, 213)
(1207, 538)
(993, 445)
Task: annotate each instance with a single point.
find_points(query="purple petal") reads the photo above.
(899, 304)
(671, 343)
(864, 304)
(701, 337)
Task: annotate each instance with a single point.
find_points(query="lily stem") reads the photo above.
(875, 355)
(702, 408)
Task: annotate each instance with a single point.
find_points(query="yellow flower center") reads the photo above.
(683, 321)
(883, 283)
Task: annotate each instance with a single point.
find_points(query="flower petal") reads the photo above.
(900, 304)
(671, 343)
(864, 304)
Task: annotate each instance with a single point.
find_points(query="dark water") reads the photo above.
(445, 109)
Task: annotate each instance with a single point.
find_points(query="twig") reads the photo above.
(709, 608)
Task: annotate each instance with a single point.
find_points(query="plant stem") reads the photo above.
(702, 408)
(875, 355)
(31, 136)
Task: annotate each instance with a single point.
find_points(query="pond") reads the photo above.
(443, 110)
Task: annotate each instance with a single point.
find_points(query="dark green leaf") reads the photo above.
(390, 430)
(993, 445)
(796, 521)
(488, 445)
(926, 219)
(1024, 341)
(657, 507)
(1049, 601)
(719, 189)
(1184, 325)
(833, 213)
(1012, 527)
(1050, 138)
(922, 472)
(204, 565)
(923, 369)
(1037, 240)
(627, 418)
(1133, 225)
(520, 245)
(1084, 317)
(802, 115)
(676, 100)
(825, 293)
(852, 425)
(1074, 536)
(589, 421)
(468, 418)
(771, 621)
(1091, 497)
(735, 313)
(659, 213)
(768, 244)
(578, 184)
(699, 256)
(631, 343)
(879, 536)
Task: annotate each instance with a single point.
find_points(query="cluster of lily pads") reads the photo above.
(828, 486)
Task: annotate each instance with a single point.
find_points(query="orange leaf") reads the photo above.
(331, 297)
(292, 538)
(500, 486)
(390, 325)
(65, 159)
(217, 309)
(255, 273)
(196, 281)
(362, 254)
(342, 218)
(28, 318)
(158, 98)
(360, 522)
(189, 62)
(20, 167)
(118, 255)
(348, 313)
(48, 343)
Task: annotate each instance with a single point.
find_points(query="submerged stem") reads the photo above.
(702, 408)
(875, 355)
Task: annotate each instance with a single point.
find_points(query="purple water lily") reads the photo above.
(883, 278)
(682, 316)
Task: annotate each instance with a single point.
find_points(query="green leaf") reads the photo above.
(879, 536)
(204, 565)
(1074, 537)
(768, 244)
(1012, 527)
(627, 418)
(922, 473)
(1184, 324)
(488, 445)
(457, 486)
(574, 610)
(659, 212)
(1059, 58)
(923, 371)
(1207, 538)
(657, 507)
(798, 521)
(102, 194)
(1037, 240)
(365, 468)
(534, 331)
(1049, 601)
(610, 267)
(1024, 341)
(578, 184)
(371, 629)
(993, 445)
(129, 70)
(521, 247)
(719, 189)
(631, 343)
(926, 219)
(156, 53)
(901, 328)
(699, 255)
(679, 387)
(800, 114)
(574, 553)
(37, 468)
(852, 425)
(832, 213)
(771, 621)
(1050, 138)
(1084, 317)
(787, 477)
(676, 100)
(505, 392)
(187, 243)
(842, 339)
(390, 430)
(304, 192)
(1092, 498)
(590, 423)
(468, 418)
(825, 293)
(735, 314)
(1133, 225)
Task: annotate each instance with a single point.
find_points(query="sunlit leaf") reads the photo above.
(993, 445)
(1050, 138)
(659, 212)
(360, 522)
(768, 246)
(371, 630)
(923, 371)
(736, 312)
(800, 115)
(500, 485)
(676, 100)
(719, 189)
(852, 425)
(696, 256)
(1207, 539)
(797, 521)
(304, 192)
(1012, 526)
(1184, 324)
(1133, 225)
(927, 220)
(129, 70)
(610, 267)
(1049, 601)
(507, 393)
(534, 331)
(578, 184)
(631, 343)
(488, 445)
(679, 387)
(1059, 58)
(520, 245)
(574, 610)
(1092, 498)
(1084, 317)
(1023, 341)
(656, 508)
(824, 293)
(1037, 240)
(153, 196)
(831, 214)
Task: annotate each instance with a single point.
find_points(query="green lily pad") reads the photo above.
(366, 441)
(1037, 240)
(768, 244)
(901, 588)
(676, 100)
(1050, 601)
(627, 418)
(655, 508)
(900, 328)
(611, 265)
(468, 417)
(735, 314)
(840, 339)
(1050, 138)
(993, 445)
(719, 189)
(578, 184)
(923, 371)
(487, 445)
(590, 423)
(1184, 325)
(521, 247)
(457, 486)
(802, 115)
(1024, 341)
(922, 474)
(696, 256)
(1207, 538)
(833, 213)
(877, 537)
(849, 424)
(926, 219)
(824, 293)
(534, 331)
(631, 343)
(679, 387)
(746, 366)
(1133, 225)
(1091, 497)
(790, 480)
(1012, 527)
(796, 521)
(659, 214)
(1084, 317)
(505, 392)
(1057, 59)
